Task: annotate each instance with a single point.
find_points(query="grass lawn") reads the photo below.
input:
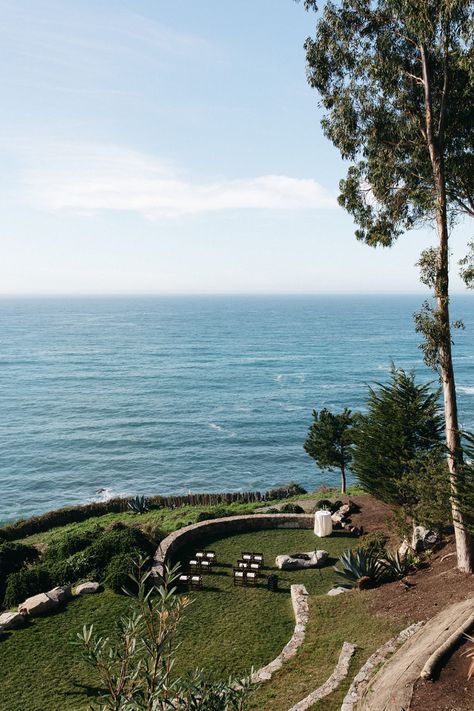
(226, 630)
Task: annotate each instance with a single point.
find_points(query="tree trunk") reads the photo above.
(464, 548)
(343, 478)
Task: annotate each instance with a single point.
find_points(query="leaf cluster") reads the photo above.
(135, 665)
(402, 425)
(366, 63)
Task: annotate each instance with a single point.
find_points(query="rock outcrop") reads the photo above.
(37, 605)
(10, 620)
(295, 561)
(87, 588)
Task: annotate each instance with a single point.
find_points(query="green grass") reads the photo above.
(226, 630)
(171, 519)
(230, 629)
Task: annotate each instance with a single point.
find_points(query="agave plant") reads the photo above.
(396, 566)
(359, 568)
(138, 504)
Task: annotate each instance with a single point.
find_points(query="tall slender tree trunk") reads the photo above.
(464, 547)
(343, 478)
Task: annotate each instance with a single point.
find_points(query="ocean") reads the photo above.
(161, 395)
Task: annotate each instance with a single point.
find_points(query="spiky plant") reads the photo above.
(360, 569)
(396, 566)
(138, 504)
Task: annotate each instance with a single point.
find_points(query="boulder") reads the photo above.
(9, 620)
(37, 605)
(87, 588)
(404, 548)
(423, 538)
(295, 561)
(60, 594)
(338, 590)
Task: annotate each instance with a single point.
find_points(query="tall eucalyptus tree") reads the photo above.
(396, 78)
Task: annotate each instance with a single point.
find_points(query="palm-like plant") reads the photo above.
(396, 566)
(360, 569)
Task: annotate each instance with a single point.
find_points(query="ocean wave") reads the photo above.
(106, 493)
(220, 428)
(467, 389)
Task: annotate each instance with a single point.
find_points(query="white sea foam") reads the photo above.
(467, 389)
(213, 426)
(220, 428)
(105, 494)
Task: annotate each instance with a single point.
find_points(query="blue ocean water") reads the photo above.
(176, 394)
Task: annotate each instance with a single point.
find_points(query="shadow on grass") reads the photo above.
(87, 689)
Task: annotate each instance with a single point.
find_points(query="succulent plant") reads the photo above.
(359, 568)
(396, 566)
(138, 504)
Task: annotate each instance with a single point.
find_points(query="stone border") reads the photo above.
(299, 600)
(340, 672)
(224, 526)
(361, 680)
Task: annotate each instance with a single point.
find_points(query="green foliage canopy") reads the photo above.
(329, 440)
(365, 62)
(402, 425)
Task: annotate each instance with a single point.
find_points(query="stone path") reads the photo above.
(362, 678)
(340, 672)
(299, 599)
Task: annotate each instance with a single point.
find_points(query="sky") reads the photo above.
(150, 146)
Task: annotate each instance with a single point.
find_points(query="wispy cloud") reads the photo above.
(87, 179)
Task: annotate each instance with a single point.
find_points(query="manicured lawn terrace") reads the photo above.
(226, 630)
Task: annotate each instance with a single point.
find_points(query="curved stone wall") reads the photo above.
(197, 533)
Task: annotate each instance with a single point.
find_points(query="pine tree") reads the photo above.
(329, 441)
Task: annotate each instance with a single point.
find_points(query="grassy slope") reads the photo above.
(171, 519)
(225, 630)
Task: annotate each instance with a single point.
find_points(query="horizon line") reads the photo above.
(151, 294)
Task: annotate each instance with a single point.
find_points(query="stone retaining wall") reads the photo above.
(198, 533)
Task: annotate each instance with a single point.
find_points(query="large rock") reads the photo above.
(60, 594)
(37, 605)
(10, 620)
(87, 588)
(295, 561)
(423, 538)
(337, 590)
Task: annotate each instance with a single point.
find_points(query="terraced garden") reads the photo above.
(227, 629)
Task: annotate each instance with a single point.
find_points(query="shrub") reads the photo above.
(62, 572)
(72, 543)
(92, 562)
(210, 515)
(359, 568)
(284, 492)
(117, 573)
(291, 508)
(323, 504)
(13, 557)
(26, 583)
(153, 532)
(374, 543)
